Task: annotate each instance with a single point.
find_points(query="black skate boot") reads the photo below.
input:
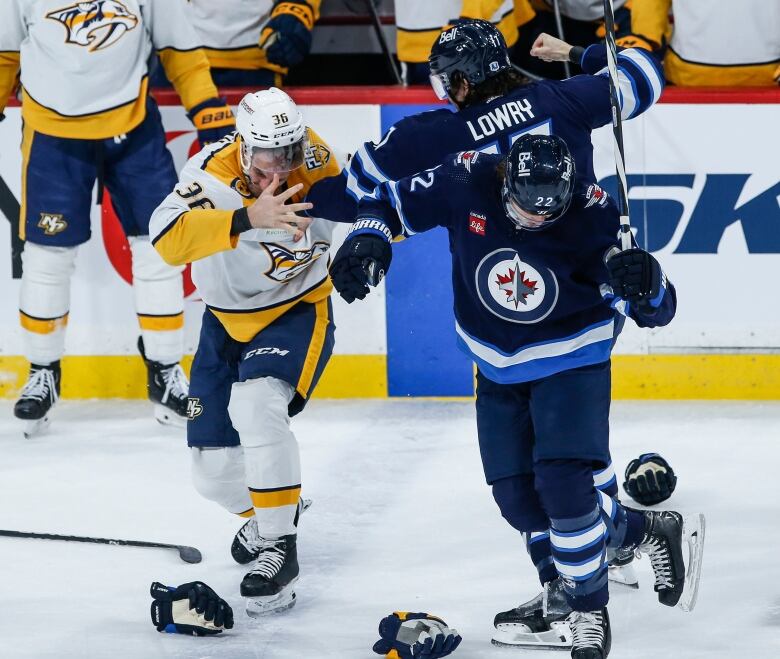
(269, 584)
(662, 542)
(539, 623)
(591, 634)
(248, 541)
(167, 387)
(38, 396)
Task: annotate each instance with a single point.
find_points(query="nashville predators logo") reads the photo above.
(287, 264)
(95, 25)
(52, 224)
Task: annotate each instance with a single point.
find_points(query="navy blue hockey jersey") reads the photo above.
(527, 303)
(570, 108)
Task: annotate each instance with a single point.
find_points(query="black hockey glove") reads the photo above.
(192, 608)
(415, 636)
(363, 260)
(636, 276)
(649, 479)
(213, 119)
(286, 38)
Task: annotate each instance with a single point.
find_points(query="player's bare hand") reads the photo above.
(550, 49)
(271, 211)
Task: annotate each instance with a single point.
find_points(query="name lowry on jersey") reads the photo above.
(511, 113)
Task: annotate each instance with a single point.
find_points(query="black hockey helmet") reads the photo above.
(539, 180)
(475, 49)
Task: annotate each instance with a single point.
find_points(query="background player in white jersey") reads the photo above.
(253, 43)
(267, 330)
(87, 116)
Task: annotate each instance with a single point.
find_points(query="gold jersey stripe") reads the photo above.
(247, 513)
(96, 126)
(692, 74)
(314, 352)
(28, 134)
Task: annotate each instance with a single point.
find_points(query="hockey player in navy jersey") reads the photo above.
(541, 291)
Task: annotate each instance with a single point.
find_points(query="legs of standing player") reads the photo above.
(57, 180)
(139, 174)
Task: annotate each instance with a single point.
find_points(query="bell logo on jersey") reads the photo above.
(316, 155)
(515, 290)
(52, 224)
(287, 263)
(96, 25)
(194, 408)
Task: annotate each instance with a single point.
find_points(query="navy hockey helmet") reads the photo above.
(539, 181)
(475, 49)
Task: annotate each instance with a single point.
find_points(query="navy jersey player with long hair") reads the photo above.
(541, 291)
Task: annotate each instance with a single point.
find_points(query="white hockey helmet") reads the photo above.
(272, 131)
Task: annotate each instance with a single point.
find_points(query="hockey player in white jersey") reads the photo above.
(87, 116)
(267, 329)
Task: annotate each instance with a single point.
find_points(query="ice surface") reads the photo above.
(402, 519)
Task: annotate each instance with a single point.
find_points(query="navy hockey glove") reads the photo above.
(649, 479)
(213, 119)
(286, 38)
(363, 260)
(636, 276)
(192, 608)
(415, 635)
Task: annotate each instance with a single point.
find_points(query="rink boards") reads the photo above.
(704, 199)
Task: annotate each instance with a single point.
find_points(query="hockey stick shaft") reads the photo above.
(9, 206)
(617, 126)
(380, 35)
(187, 554)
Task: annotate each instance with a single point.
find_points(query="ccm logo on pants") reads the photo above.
(266, 351)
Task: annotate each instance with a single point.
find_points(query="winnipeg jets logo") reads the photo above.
(595, 195)
(516, 286)
(95, 25)
(287, 263)
(514, 289)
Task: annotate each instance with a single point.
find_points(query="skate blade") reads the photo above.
(36, 427)
(257, 607)
(693, 537)
(168, 417)
(558, 637)
(623, 575)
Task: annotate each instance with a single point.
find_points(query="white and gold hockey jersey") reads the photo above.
(418, 24)
(251, 279)
(230, 29)
(717, 42)
(84, 64)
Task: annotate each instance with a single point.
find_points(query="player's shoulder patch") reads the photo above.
(466, 159)
(595, 195)
(316, 155)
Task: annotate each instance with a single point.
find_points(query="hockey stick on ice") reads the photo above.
(617, 126)
(187, 554)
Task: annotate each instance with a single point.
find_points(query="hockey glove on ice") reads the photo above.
(286, 38)
(649, 479)
(363, 260)
(415, 635)
(636, 276)
(213, 119)
(192, 608)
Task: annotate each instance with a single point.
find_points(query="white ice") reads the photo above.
(402, 520)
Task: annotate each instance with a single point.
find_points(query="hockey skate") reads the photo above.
(666, 533)
(621, 568)
(38, 396)
(540, 623)
(269, 585)
(167, 387)
(248, 541)
(591, 634)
